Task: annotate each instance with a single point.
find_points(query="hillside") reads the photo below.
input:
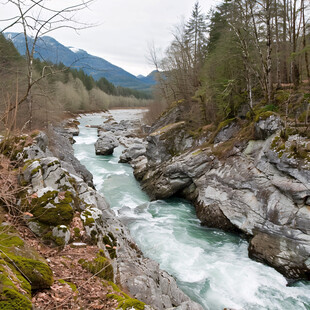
(48, 49)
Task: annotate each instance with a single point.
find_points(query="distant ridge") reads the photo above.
(49, 49)
(149, 79)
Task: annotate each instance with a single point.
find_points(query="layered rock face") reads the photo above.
(261, 189)
(58, 196)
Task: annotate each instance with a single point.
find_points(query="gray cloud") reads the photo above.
(125, 28)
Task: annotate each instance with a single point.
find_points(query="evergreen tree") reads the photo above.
(195, 34)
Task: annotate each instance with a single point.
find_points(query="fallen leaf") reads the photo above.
(28, 214)
(61, 195)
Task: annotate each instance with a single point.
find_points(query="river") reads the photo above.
(210, 266)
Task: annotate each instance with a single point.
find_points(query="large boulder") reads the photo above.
(226, 132)
(60, 147)
(267, 125)
(134, 151)
(166, 142)
(106, 144)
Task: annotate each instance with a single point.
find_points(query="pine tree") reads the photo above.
(195, 34)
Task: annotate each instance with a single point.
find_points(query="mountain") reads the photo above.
(149, 79)
(49, 49)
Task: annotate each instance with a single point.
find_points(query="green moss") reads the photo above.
(38, 273)
(111, 241)
(19, 274)
(12, 146)
(100, 266)
(47, 211)
(36, 170)
(15, 291)
(125, 302)
(275, 141)
(28, 163)
(59, 241)
(72, 285)
(89, 221)
(10, 275)
(11, 299)
(131, 303)
(7, 241)
(167, 128)
(262, 115)
(56, 162)
(77, 233)
(224, 124)
(114, 286)
(197, 152)
(281, 96)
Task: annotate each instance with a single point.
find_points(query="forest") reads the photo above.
(55, 89)
(241, 57)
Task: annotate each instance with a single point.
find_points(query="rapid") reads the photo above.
(211, 266)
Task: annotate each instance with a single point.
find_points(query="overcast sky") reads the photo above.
(125, 28)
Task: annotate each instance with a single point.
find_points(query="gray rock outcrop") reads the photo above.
(58, 197)
(262, 191)
(265, 127)
(60, 147)
(106, 143)
(137, 149)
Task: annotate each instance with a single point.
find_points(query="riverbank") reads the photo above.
(78, 228)
(211, 266)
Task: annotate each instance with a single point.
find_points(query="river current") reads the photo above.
(211, 266)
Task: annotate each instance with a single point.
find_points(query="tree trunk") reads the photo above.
(269, 49)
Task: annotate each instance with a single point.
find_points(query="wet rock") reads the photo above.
(283, 252)
(105, 144)
(132, 152)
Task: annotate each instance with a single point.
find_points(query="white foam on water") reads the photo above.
(98, 182)
(211, 266)
(86, 140)
(81, 156)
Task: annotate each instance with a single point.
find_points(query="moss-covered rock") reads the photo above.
(125, 301)
(100, 266)
(111, 243)
(14, 289)
(92, 221)
(53, 208)
(61, 235)
(36, 272)
(294, 147)
(21, 271)
(13, 146)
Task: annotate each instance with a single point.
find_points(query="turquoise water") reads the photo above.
(211, 266)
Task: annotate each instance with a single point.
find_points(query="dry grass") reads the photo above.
(9, 186)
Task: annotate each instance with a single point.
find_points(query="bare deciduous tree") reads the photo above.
(36, 18)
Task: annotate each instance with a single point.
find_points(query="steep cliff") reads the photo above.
(245, 176)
